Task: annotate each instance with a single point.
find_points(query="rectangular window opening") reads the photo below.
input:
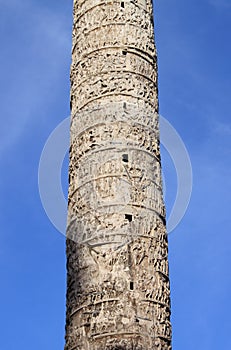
(125, 158)
(122, 4)
(128, 217)
(131, 286)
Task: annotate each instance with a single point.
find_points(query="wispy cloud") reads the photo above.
(223, 129)
(220, 3)
(29, 67)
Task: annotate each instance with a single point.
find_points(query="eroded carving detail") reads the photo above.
(117, 251)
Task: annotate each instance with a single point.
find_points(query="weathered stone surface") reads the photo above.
(117, 252)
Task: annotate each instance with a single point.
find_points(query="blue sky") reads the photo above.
(193, 41)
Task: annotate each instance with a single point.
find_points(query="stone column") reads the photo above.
(117, 252)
